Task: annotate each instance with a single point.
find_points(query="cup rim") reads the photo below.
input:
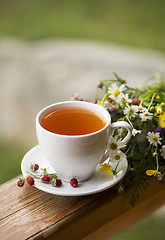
(73, 136)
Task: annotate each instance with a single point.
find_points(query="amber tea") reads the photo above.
(72, 121)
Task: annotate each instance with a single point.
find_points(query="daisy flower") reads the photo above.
(123, 99)
(114, 90)
(105, 168)
(154, 138)
(163, 151)
(107, 105)
(115, 144)
(130, 110)
(141, 109)
(117, 155)
(145, 115)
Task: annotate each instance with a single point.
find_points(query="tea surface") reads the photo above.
(72, 121)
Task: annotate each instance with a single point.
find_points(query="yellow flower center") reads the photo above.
(113, 146)
(109, 105)
(146, 114)
(131, 111)
(139, 108)
(116, 92)
(154, 138)
(124, 100)
(117, 157)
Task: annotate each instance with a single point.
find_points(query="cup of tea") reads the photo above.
(74, 135)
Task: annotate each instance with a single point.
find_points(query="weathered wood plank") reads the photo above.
(29, 213)
(114, 210)
(130, 217)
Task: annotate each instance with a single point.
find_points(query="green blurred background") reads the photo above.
(135, 23)
(129, 23)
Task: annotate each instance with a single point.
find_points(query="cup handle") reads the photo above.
(115, 125)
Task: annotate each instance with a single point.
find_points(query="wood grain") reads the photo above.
(28, 213)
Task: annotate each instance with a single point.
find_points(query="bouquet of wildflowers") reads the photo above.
(144, 110)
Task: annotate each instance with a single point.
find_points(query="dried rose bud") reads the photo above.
(56, 182)
(30, 180)
(34, 167)
(45, 179)
(21, 182)
(135, 101)
(74, 182)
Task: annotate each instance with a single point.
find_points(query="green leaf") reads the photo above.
(148, 94)
(162, 97)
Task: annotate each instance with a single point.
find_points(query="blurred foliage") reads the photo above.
(136, 23)
(149, 228)
(10, 159)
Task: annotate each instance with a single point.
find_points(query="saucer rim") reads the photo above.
(74, 191)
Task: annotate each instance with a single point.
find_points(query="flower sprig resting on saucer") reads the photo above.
(45, 177)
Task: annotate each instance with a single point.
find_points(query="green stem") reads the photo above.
(152, 99)
(35, 176)
(97, 93)
(157, 160)
(128, 149)
(103, 99)
(130, 122)
(117, 166)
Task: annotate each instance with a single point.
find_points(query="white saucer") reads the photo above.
(97, 183)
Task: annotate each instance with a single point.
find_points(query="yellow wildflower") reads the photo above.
(162, 120)
(158, 110)
(153, 172)
(105, 168)
(157, 97)
(162, 104)
(99, 102)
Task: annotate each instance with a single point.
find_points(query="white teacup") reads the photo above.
(76, 156)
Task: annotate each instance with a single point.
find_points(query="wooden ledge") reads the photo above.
(28, 213)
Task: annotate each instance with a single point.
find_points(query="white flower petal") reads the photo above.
(163, 151)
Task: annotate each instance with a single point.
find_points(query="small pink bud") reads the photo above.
(135, 101)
